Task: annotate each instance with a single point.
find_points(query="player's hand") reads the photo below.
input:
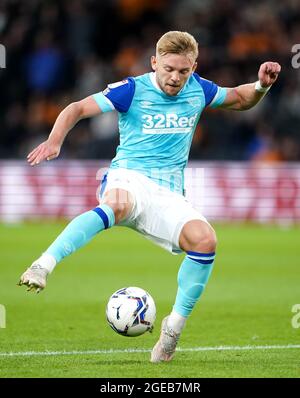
(268, 73)
(45, 151)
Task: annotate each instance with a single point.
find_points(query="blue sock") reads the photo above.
(193, 275)
(81, 230)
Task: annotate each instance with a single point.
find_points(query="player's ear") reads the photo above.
(195, 67)
(153, 62)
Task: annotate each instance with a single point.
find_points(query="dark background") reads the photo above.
(62, 51)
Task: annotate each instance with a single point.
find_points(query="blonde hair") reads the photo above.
(176, 42)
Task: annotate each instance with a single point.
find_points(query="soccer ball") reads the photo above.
(131, 311)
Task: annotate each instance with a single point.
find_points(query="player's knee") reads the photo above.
(208, 241)
(120, 209)
(120, 201)
(201, 238)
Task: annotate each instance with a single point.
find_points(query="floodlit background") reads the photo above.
(61, 51)
(244, 175)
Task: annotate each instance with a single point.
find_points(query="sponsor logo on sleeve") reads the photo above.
(118, 84)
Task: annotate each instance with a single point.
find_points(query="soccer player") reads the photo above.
(144, 186)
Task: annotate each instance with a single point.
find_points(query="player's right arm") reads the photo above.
(65, 121)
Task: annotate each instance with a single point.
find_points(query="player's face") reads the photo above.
(172, 71)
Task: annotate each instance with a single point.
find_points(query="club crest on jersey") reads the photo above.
(194, 102)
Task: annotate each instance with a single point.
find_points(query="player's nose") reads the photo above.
(175, 77)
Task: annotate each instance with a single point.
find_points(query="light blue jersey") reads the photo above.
(156, 129)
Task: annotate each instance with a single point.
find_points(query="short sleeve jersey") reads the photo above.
(156, 129)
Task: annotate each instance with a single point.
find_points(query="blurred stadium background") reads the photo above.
(62, 51)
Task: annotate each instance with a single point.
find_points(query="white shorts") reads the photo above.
(158, 213)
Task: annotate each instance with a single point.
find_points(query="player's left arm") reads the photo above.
(248, 95)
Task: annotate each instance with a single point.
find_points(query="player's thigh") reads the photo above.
(123, 191)
(165, 218)
(120, 201)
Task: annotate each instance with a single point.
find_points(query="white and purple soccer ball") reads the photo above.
(131, 311)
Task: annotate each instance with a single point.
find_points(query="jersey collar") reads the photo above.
(154, 81)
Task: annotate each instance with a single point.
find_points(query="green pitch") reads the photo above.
(62, 332)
